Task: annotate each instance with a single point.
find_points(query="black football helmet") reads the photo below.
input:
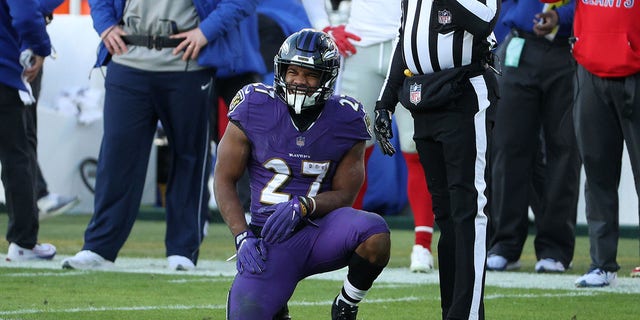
(310, 49)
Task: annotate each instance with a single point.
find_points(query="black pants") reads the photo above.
(607, 116)
(32, 134)
(452, 142)
(271, 37)
(536, 97)
(18, 159)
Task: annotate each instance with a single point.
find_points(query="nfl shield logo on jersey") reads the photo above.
(300, 141)
(444, 16)
(415, 93)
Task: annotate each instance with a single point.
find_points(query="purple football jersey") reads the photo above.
(284, 161)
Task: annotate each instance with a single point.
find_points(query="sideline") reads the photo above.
(214, 268)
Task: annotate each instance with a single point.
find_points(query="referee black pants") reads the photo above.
(452, 142)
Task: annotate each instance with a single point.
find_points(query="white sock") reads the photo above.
(350, 294)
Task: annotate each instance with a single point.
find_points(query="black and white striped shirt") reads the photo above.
(439, 34)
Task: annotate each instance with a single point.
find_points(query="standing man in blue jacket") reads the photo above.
(161, 58)
(22, 31)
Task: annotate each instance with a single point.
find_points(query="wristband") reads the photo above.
(308, 206)
(241, 237)
(313, 201)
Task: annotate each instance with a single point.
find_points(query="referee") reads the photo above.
(439, 72)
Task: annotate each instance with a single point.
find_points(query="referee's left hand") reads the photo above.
(383, 131)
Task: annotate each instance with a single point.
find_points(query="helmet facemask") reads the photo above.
(301, 97)
(313, 50)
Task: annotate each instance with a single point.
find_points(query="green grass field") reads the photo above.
(140, 286)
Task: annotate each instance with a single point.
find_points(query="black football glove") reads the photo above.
(383, 131)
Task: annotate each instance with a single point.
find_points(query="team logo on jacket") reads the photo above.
(300, 141)
(444, 16)
(415, 93)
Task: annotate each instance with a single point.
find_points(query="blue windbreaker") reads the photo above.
(520, 16)
(22, 26)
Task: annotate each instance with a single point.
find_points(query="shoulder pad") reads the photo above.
(255, 93)
(347, 103)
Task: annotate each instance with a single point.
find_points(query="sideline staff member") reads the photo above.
(22, 27)
(438, 72)
(161, 57)
(607, 113)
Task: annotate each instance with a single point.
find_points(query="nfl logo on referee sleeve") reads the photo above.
(415, 93)
(444, 16)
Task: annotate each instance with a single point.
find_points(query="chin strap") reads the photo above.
(299, 100)
(297, 103)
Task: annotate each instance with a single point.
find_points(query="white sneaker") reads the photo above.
(597, 278)
(180, 263)
(500, 263)
(635, 273)
(421, 259)
(53, 204)
(549, 265)
(86, 260)
(44, 251)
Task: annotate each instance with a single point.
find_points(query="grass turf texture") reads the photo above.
(48, 292)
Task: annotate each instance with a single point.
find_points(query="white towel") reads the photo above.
(26, 60)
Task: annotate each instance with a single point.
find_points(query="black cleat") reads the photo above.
(343, 311)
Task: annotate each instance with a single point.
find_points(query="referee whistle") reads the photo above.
(408, 73)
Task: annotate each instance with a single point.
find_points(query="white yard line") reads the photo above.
(290, 303)
(189, 307)
(103, 309)
(390, 276)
